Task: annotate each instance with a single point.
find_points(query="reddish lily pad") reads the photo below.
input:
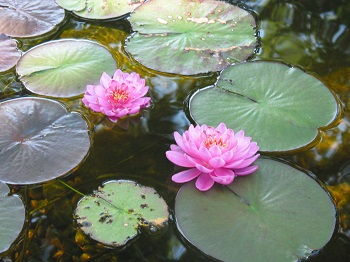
(39, 140)
(12, 217)
(28, 18)
(9, 53)
(191, 37)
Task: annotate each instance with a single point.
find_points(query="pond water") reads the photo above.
(311, 34)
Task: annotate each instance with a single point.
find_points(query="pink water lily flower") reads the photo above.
(212, 155)
(119, 96)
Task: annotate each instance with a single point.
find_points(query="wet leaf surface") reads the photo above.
(40, 140)
(63, 68)
(9, 53)
(277, 207)
(96, 9)
(278, 115)
(12, 217)
(28, 18)
(114, 213)
(191, 37)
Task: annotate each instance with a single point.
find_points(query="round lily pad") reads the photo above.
(191, 37)
(39, 140)
(97, 9)
(113, 213)
(12, 217)
(28, 18)
(9, 53)
(278, 213)
(280, 107)
(63, 68)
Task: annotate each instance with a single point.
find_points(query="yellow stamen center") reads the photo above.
(212, 140)
(120, 95)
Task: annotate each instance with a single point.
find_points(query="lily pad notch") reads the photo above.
(278, 214)
(115, 212)
(40, 140)
(282, 108)
(62, 68)
(191, 37)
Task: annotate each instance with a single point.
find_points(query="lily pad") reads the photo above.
(280, 107)
(97, 9)
(63, 68)
(114, 213)
(191, 37)
(39, 140)
(279, 213)
(28, 18)
(9, 53)
(12, 217)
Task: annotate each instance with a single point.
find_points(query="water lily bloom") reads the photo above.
(212, 155)
(119, 96)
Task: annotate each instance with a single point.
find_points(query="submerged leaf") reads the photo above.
(113, 214)
(279, 213)
(39, 140)
(28, 18)
(280, 107)
(191, 37)
(63, 68)
(12, 217)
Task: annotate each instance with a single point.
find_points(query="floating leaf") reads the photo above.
(28, 18)
(191, 37)
(279, 213)
(113, 214)
(39, 140)
(9, 53)
(97, 9)
(280, 107)
(63, 68)
(11, 219)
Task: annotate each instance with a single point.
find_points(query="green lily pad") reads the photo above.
(191, 37)
(63, 68)
(28, 18)
(9, 53)
(12, 217)
(113, 214)
(279, 213)
(97, 9)
(280, 107)
(39, 140)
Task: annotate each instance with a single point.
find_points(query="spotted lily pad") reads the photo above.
(113, 213)
(63, 68)
(39, 140)
(28, 18)
(279, 213)
(191, 37)
(280, 107)
(97, 9)
(11, 219)
(9, 53)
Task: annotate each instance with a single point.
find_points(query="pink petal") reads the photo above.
(246, 171)
(234, 164)
(186, 175)
(105, 79)
(247, 162)
(223, 180)
(204, 182)
(179, 159)
(100, 91)
(217, 162)
(223, 172)
(204, 169)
